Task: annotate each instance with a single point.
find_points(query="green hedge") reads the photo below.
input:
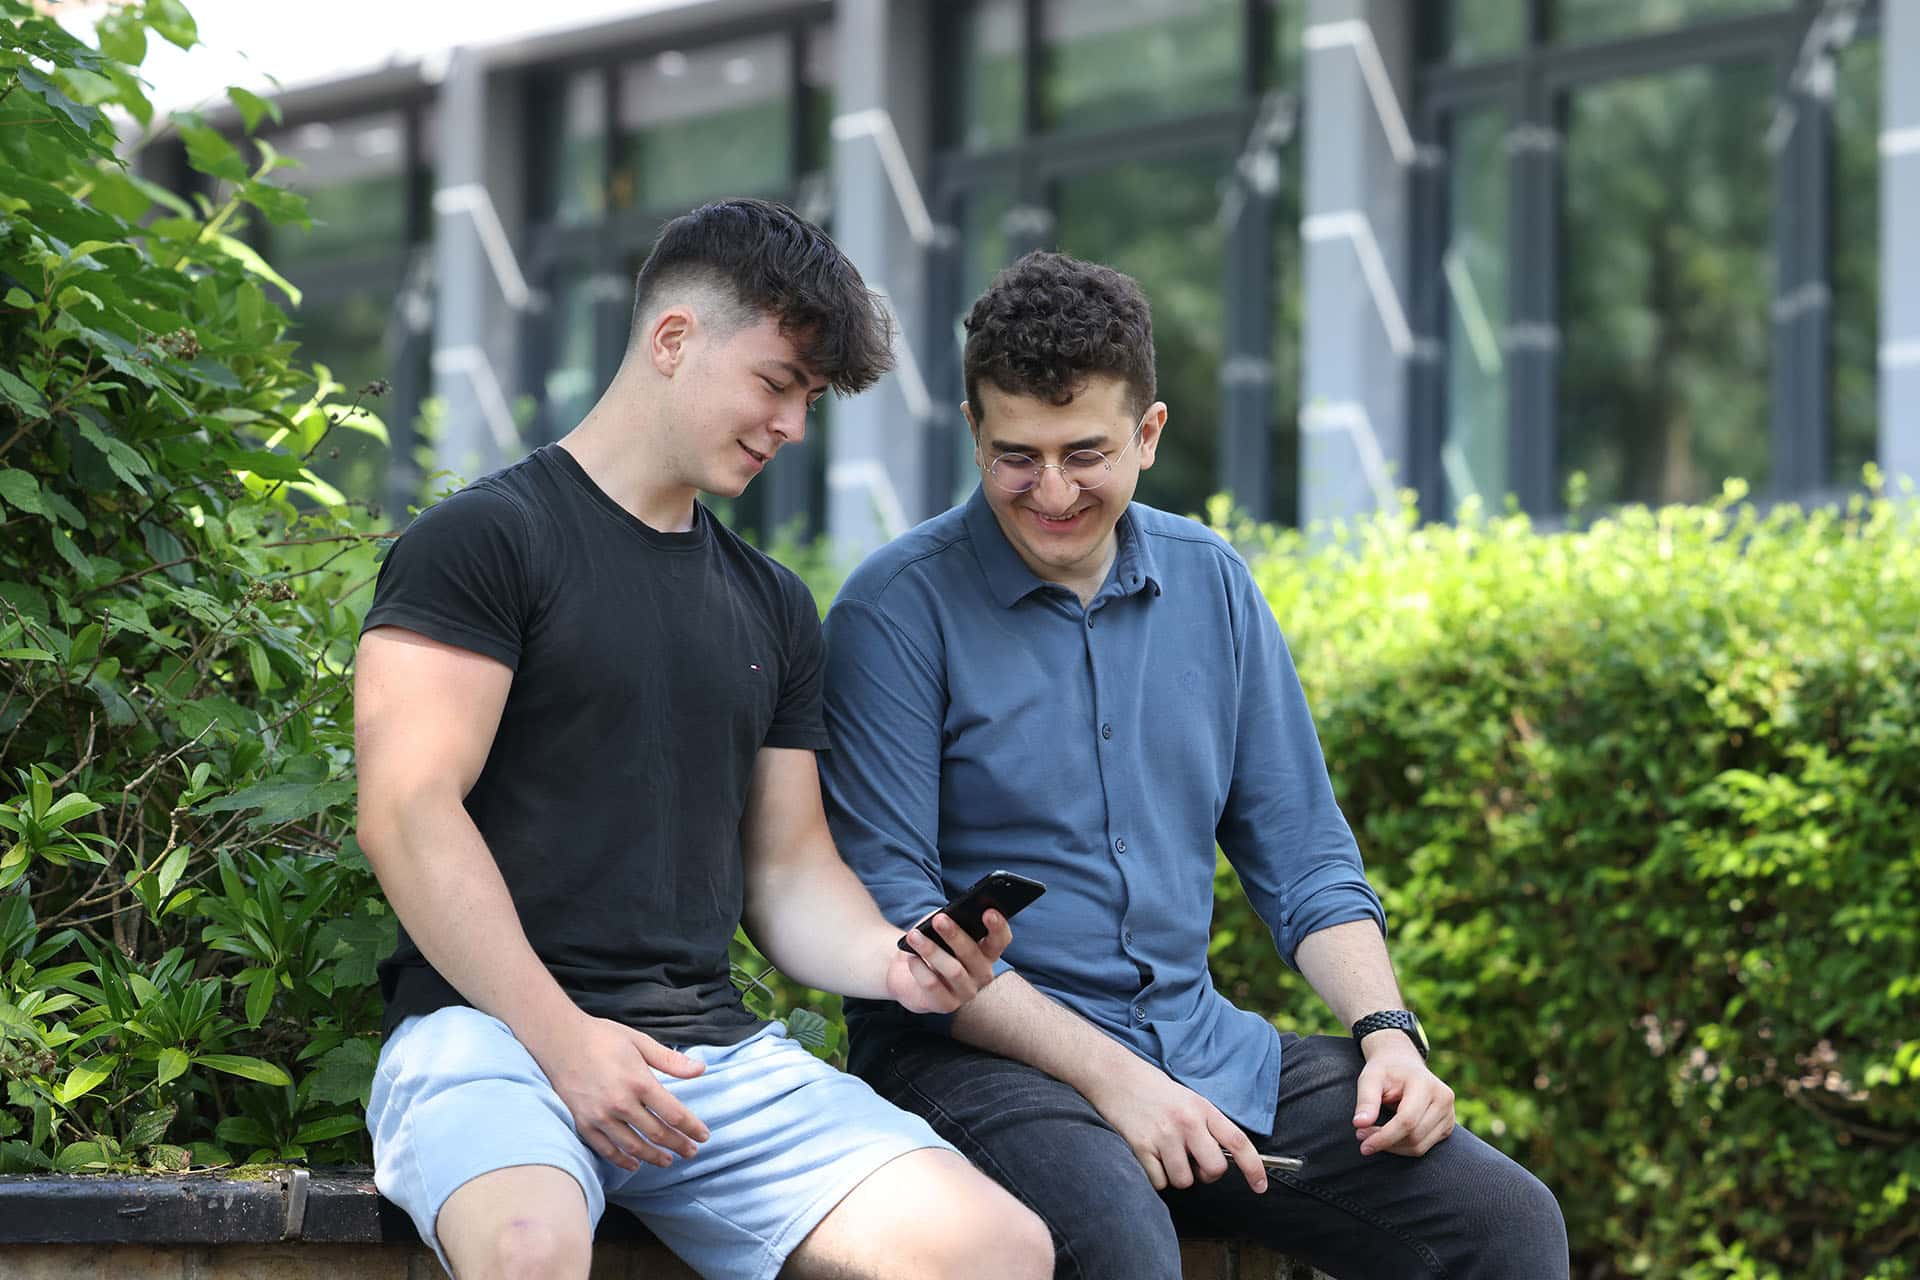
(1643, 801)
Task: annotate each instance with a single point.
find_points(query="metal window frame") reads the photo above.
(607, 246)
(1034, 164)
(1536, 83)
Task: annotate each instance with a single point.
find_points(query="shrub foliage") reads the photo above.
(1641, 800)
(187, 936)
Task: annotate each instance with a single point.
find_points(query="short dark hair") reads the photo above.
(1049, 322)
(775, 264)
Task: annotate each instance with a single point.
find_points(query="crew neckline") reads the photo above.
(689, 540)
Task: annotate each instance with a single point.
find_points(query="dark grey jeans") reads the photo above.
(1462, 1210)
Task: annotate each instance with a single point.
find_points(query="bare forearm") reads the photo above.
(435, 869)
(813, 918)
(1348, 965)
(1013, 1019)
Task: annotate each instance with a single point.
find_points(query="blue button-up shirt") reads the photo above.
(982, 718)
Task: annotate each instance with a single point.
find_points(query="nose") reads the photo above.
(790, 425)
(1053, 492)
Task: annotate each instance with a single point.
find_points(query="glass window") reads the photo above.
(816, 90)
(353, 173)
(576, 160)
(706, 122)
(1600, 19)
(991, 94)
(1289, 303)
(572, 381)
(354, 334)
(1160, 223)
(1114, 62)
(1473, 266)
(1286, 21)
(1856, 260)
(1476, 29)
(1667, 283)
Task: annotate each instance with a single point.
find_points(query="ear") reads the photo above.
(669, 338)
(966, 411)
(1151, 425)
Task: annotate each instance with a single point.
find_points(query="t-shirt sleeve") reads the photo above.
(798, 718)
(460, 575)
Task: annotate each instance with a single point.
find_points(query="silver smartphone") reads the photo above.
(1275, 1164)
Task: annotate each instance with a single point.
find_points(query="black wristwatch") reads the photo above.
(1392, 1020)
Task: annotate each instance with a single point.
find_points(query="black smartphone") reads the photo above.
(1001, 891)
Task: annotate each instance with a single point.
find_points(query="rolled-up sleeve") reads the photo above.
(1281, 828)
(884, 701)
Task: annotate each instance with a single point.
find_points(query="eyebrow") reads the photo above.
(1072, 446)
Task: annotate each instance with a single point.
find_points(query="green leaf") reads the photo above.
(171, 19)
(243, 1131)
(122, 38)
(260, 1000)
(344, 1074)
(125, 460)
(67, 809)
(76, 1156)
(282, 800)
(85, 644)
(27, 655)
(243, 253)
(18, 297)
(150, 1127)
(21, 396)
(82, 117)
(76, 559)
(207, 1155)
(252, 107)
(173, 1065)
(249, 1068)
(84, 1079)
(209, 152)
(331, 1127)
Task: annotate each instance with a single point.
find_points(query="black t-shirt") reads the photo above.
(649, 669)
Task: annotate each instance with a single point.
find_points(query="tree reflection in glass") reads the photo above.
(1668, 276)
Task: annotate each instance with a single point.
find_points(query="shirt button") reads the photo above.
(1106, 731)
(1139, 1014)
(1120, 845)
(1127, 937)
(1089, 622)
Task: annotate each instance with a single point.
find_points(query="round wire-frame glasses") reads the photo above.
(1017, 473)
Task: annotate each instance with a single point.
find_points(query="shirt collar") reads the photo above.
(1009, 579)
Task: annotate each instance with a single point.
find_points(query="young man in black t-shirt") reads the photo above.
(586, 722)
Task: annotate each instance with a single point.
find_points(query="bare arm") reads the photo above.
(813, 918)
(1349, 967)
(425, 714)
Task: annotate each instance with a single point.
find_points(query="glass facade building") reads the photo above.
(1486, 250)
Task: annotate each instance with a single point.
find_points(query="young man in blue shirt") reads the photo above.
(1055, 680)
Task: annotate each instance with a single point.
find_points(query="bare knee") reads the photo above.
(992, 1234)
(529, 1248)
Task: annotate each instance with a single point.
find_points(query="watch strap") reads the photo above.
(1392, 1020)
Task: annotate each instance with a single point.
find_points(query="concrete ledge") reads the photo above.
(298, 1224)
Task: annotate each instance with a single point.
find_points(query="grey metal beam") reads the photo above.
(1899, 247)
(877, 449)
(1359, 157)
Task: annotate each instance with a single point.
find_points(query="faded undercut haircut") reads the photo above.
(1049, 322)
(764, 260)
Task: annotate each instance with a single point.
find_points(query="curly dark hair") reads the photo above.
(775, 264)
(1049, 322)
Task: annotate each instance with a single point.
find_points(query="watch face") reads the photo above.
(1418, 1032)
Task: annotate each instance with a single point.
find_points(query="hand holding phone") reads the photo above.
(1001, 891)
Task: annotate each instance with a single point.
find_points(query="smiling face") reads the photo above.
(1065, 533)
(740, 393)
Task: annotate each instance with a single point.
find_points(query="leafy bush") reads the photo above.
(1641, 801)
(187, 934)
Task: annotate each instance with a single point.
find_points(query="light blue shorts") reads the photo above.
(456, 1096)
